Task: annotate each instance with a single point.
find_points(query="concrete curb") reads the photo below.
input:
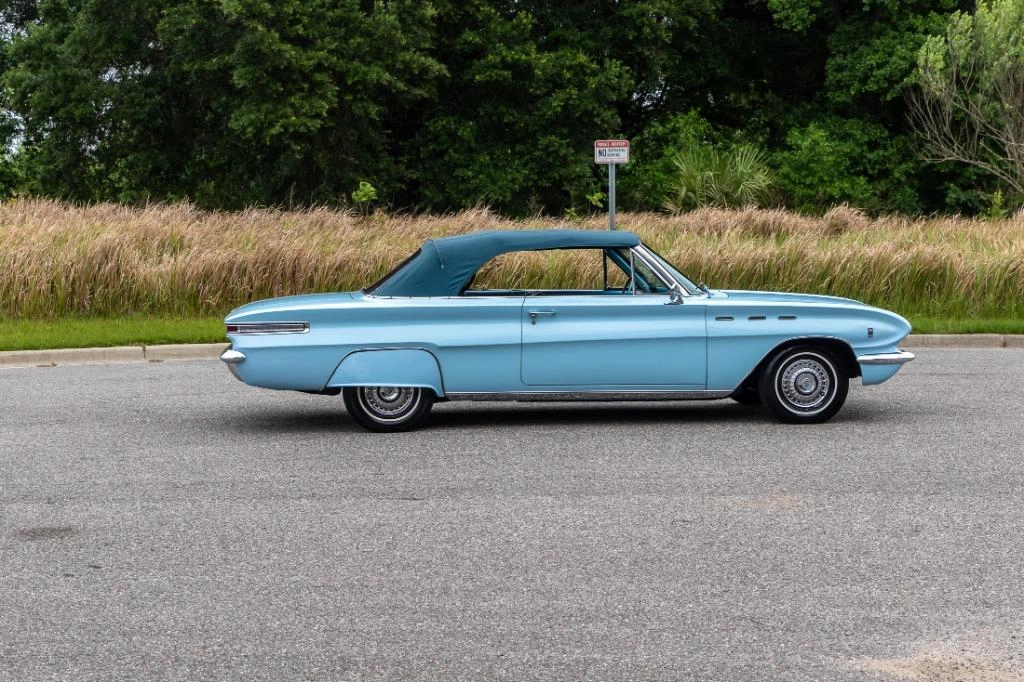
(117, 354)
(209, 351)
(184, 351)
(964, 341)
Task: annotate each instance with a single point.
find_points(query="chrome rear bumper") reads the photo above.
(232, 358)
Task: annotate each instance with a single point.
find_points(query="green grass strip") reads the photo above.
(943, 325)
(87, 332)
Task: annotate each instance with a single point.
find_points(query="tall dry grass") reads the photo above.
(57, 259)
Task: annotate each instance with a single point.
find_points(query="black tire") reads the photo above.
(747, 395)
(803, 385)
(388, 409)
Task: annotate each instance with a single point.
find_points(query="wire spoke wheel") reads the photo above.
(388, 402)
(804, 385)
(388, 408)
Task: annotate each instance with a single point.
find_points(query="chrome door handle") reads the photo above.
(534, 314)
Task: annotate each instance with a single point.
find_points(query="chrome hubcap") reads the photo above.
(388, 403)
(389, 393)
(806, 384)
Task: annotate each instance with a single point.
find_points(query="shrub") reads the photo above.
(726, 178)
(364, 195)
(847, 161)
(645, 181)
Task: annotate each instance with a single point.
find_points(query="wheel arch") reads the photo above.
(838, 348)
(408, 367)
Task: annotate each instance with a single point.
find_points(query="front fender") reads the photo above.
(389, 367)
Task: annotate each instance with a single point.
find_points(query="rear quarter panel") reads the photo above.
(476, 340)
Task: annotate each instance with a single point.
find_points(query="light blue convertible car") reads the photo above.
(458, 320)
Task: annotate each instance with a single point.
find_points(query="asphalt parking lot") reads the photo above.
(163, 521)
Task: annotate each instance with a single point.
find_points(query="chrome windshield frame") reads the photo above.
(655, 265)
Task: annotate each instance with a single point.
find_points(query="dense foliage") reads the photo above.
(970, 106)
(455, 103)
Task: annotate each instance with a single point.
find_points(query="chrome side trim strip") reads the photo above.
(559, 396)
(897, 358)
(268, 327)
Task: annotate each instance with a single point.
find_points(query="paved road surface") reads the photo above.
(163, 521)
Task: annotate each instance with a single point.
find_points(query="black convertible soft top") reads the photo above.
(443, 266)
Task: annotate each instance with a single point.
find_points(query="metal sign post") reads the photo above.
(611, 153)
(611, 196)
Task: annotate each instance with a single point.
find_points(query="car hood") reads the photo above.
(782, 297)
(286, 304)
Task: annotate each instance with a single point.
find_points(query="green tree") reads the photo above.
(231, 103)
(970, 105)
(446, 104)
(836, 160)
(790, 71)
(530, 86)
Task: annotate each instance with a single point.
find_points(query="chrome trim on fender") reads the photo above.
(897, 358)
(559, 396)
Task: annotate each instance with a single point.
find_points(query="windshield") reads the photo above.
(680, 277)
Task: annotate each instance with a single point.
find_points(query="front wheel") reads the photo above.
(388, 409)
(804, 385)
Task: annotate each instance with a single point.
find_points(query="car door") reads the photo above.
(581, 341)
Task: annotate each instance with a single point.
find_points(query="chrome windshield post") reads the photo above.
(632, 274)
(652, 263)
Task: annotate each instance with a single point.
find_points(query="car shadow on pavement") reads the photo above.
(287, 419)
(607, 414)
(295, 419)
(721, 412)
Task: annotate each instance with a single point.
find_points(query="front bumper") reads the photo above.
(877, 367)
(900, 357)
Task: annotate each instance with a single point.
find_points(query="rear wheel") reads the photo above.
(804, 385)
(388, 409)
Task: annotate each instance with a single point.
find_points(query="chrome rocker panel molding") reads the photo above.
(559, 396)
(897, 358)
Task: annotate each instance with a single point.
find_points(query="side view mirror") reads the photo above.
(674, 297)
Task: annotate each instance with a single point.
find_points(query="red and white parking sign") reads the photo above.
(611, 151)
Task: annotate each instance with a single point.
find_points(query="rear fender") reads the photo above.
(411, 367)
